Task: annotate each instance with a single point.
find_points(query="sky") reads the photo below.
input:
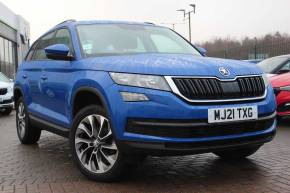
(213, 18)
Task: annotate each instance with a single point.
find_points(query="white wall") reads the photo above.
(22, 28)
(7, 16)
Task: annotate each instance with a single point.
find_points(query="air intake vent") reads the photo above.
(3, 91)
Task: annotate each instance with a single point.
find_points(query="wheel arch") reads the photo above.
(91, 96)
(17, 93)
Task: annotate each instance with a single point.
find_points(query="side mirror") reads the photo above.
(202, 50)
(11, 80)
(58, 52)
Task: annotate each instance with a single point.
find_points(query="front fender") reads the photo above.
(93, 81)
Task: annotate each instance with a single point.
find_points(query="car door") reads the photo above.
(30, 73)
(55, 83)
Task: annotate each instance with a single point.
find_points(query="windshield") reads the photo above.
(3, 78)
(271, 64)
(122, 39)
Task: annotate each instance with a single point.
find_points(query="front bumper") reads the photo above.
(197, 128)
(283, 103)
(174, 126)
(7, 103)
(186, 148)
(204, 137)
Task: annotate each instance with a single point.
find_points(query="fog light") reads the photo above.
(133, 97)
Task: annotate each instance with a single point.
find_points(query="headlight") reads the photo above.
(284, 88)
(140, 80)
(266, 80)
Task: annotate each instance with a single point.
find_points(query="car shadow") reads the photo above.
(285, 121)
(7, 116)
(189, 169)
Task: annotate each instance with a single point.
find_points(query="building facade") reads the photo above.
(14, 40)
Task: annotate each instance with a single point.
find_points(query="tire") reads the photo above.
(27, 134)
(96, 153)
(236, 154)
(279, 118)
(7, 111)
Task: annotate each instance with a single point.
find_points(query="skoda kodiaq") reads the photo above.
(124, 90)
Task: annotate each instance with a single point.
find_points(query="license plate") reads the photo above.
(219, 115)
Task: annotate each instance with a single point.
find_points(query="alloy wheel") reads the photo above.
(21, 120)
(94, 144)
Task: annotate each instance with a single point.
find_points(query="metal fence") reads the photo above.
(254, 51)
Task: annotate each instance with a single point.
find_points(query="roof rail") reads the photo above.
(150, 23)
(69, 20)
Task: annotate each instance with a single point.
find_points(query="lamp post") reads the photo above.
(189, 17)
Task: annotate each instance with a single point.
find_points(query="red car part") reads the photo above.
(281, 85)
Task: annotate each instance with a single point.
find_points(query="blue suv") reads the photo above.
(121, 91)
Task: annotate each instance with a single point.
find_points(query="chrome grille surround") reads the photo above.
(175, 89)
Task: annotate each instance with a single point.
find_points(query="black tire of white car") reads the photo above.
(88, 162)
(7, 111)
(30, 134)
(239, 153)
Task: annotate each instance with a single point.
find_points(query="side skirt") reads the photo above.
(45, 125)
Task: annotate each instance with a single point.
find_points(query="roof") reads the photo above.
(113, 22)
(283, 56)
(74, 22)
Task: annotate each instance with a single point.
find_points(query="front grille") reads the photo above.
(214, 89)
(194, 129)
(3, 91)
(6, 101)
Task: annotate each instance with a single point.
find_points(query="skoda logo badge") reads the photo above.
(224, 71)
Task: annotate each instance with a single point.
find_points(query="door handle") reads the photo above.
(24, 76)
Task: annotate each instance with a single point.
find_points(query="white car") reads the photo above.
(6, 94)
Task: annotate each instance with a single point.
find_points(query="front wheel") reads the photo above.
(239, 153)
(95, 150)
